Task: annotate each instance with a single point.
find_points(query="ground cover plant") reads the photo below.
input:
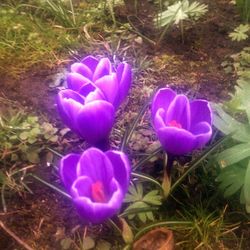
(122, 118)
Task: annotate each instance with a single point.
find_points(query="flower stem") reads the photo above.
(194, 164)
(166, 183)
(103, 145)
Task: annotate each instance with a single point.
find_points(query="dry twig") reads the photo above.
(15, 237)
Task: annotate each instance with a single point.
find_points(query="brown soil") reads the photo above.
(192, 67)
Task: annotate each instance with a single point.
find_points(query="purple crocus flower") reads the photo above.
(89, 115)
(181, 125)
(96, 181)
(91, 73)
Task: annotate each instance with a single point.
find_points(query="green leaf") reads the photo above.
(33, 157)
(142, 217)
(32, 119)
(88, 243)
(2, 177)
(13, 137)
(247, 187)
(137, 205)
(150, 216)
(248, 208)
(14, 157)
(32, 140)
(24, 135)
(240, 33)
(135, 193)
(242, 93)
(35, 131)
(103, 245)
(138, 201)
(233, 154)
(242, 197)
(227, 124)
(66, 243)
(179, 11)
(54, 138)
(153, 198)
(232, 178)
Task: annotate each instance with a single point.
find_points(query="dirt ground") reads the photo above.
(192, 67)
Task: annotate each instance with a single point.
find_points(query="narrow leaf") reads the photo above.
(247, 186)
(234, 154)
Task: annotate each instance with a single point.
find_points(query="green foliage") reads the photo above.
(42, 32)
(26, 40)
(206, 228)
(234, 160)
(62, 13)
(177, 13)
(22, 137)
(244, 7)
(138, 200)
(240, 33)
(13, 181)
(232, 178)
(181, 10)
(241, 67)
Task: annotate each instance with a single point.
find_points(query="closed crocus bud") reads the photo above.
(113, 83)
(96, 181)
(89, 116)
(181, 125)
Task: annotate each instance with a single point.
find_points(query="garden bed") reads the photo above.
(45, 219)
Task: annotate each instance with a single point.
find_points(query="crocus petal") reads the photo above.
(91, 93)
(95, 95)
(203, 133)
(200, 112)
(98, 212)
(82, 69)
(68, 169)
(95, 121)
(159, 119)
(86, 89)
(109, 87)
(179, 111)
(176, 141)
(162, 99)
(103, 68)
(91, 62)
(69, 104)
(122, 169)
(95, 164)
(124, 76)
(81, 187)
(75, 81)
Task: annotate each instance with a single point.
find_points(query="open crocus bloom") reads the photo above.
(181, 125)
(88, 115)
(91, 73)
(96, 181)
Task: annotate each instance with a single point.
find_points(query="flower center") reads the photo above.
(174, 123)
(98, 194)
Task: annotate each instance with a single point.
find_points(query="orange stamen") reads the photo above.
(98, 194)
(174, 123)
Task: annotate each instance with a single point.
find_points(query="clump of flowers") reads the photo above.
(98, 180)
(95, 91)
